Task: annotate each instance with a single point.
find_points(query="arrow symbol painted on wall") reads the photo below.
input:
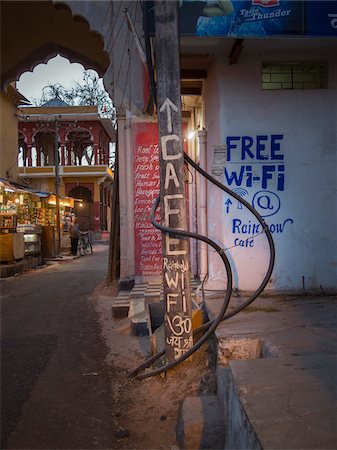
(228, 202)
(168, 105)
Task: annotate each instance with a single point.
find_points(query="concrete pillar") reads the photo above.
(96, 154)
(38, 155)
(29, 155)
(28, 161)
(68, 147)
(105, 152)
(62, 139)
(126, 197)
(95, 145)
(202, 216)
(63, 154)
(97, 209)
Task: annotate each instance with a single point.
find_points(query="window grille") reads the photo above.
(277, 76)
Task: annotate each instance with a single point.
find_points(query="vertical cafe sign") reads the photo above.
(176, 271)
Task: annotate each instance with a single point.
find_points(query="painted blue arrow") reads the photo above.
(227, 203)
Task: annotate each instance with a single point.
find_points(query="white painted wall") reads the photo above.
(307, 119)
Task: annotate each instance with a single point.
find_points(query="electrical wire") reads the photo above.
(130, 50)
(209, 327)
(123, 54)
(178, 233)
(120, 26)
(264, 226)
(114, 20)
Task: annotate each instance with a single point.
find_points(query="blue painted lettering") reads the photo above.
(244, 176)
(240, 227)
(244, 242)
(264, 202)
(266, 175)
(275, 146)
(246, 228)
(234, 177)
(280, 178)
(261, 147)
(231, 146)
(249, 173)
(247, 143)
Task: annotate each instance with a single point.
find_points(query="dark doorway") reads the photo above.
(83, 210)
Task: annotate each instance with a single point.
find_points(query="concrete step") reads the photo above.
(276, 373)
(120, 306)
(295, 394)
(201, 424)
(151, 292)
(139, 324)
(120, 310)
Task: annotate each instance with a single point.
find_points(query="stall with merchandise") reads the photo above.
(67, 216)
(37, 219)
(11, 243)
(21, 224)
(28, 223)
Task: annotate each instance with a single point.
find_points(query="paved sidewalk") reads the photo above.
(285, 397)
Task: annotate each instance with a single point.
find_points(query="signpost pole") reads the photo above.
(176, 265)
(57, 189)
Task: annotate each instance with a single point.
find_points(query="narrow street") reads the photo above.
(55, 384)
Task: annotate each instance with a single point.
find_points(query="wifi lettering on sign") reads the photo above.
(255, 171)
(255, 162)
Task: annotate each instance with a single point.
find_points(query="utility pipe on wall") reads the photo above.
(57, 188)
(203, 254)
(130, 197)
(123, 200)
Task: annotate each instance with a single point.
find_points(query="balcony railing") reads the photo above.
(65, 171)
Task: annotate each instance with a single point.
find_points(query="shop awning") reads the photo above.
(64, 201)
(13, 186)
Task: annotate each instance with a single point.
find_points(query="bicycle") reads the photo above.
(85, 243)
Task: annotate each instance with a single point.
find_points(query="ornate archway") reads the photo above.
(56, 31)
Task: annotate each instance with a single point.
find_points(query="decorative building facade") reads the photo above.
(81, 143)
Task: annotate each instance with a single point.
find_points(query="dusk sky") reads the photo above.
(57, 70)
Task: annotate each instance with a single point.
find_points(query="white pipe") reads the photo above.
(203, 255)
(124, 196)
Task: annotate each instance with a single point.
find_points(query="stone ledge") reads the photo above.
(201, 424)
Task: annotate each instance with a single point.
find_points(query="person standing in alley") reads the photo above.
(74, 236)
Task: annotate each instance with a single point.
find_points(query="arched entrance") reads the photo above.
(60, 34)
(83, 210)
(65, 31)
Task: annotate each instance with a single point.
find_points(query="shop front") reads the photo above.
(67, 216)
(20, 228)
(28, 227)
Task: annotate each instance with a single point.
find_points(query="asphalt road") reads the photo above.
(55, 384)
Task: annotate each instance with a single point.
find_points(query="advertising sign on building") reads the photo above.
(148, 246)
(148, 240)
(257, 18)
(255, 170)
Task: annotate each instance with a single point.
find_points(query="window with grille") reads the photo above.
(293, 76)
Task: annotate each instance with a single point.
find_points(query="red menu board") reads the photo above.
(148, 247)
